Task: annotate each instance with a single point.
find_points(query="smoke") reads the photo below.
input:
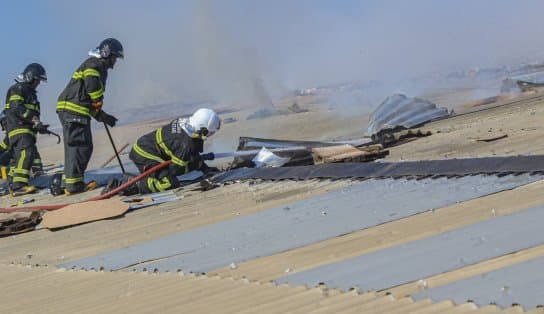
(251, 52)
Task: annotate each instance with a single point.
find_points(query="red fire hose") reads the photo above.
(97, 198)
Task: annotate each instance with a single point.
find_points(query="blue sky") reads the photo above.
(178, 51)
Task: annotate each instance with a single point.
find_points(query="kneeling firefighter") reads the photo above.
(181, 141)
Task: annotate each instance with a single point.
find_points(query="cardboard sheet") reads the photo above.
(84, 212)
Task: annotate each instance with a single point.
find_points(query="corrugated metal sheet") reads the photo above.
(522, 284)
(423, 168)
(44, 290)
(399, 110)
(420, 259)
(194, 210)
(360, 206)
(399, 232)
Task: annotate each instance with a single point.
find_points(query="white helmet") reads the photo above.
(203, 123)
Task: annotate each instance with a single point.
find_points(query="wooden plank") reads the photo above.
(346, 153)
(84, 212)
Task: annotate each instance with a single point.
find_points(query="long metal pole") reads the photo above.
(114, 148)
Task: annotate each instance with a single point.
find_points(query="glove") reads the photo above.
(40, 127)
(110, 120)
(208, 156)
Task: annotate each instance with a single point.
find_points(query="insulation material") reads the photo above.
(362, 205)
(401, 111)
(427, 257)
(266, 158)
(517, 284)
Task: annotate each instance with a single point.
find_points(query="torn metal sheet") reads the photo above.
(430, 256)
(516, 284)
(251, 143)
(424, 168)
(401, 111)
(362, 205)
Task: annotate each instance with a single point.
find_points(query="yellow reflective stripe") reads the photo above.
(73, 180)
(167, 151)
(7, 106)
(164, 184)
(3, 145)
(15, 132)
(91, 72)
(32, 107)
(21, 159)
(97, 94)
(78, 75)
(20, 171)
(145, 154)
(16, 97)
(20, 179)
(70, 106)
(151, 184)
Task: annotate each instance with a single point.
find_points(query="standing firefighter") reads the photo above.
(181, 141)
(22, 122)
(79, 101)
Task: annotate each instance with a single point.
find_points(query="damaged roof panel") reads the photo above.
(401, 111)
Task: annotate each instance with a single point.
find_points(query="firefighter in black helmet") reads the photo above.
(79, 101)
(22, 123)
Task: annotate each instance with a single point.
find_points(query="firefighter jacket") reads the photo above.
(170, 142)
(22, 107)
(86, 86)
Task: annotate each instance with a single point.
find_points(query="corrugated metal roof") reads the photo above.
(278, 229)
(434, 255)
(399, 232)
(45, 290)
(521, 284)
(194, 210)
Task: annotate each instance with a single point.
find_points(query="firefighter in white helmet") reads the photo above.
(180, 141)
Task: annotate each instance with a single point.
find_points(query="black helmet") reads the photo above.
(56, 185)
(33, 71)
(111, 47)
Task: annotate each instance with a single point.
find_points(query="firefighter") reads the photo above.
(79, 101)
(22, 122)
(180, 141)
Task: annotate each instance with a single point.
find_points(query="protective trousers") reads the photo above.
(24, 151)
(78, 148)
(159, 181)
(6, 155)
